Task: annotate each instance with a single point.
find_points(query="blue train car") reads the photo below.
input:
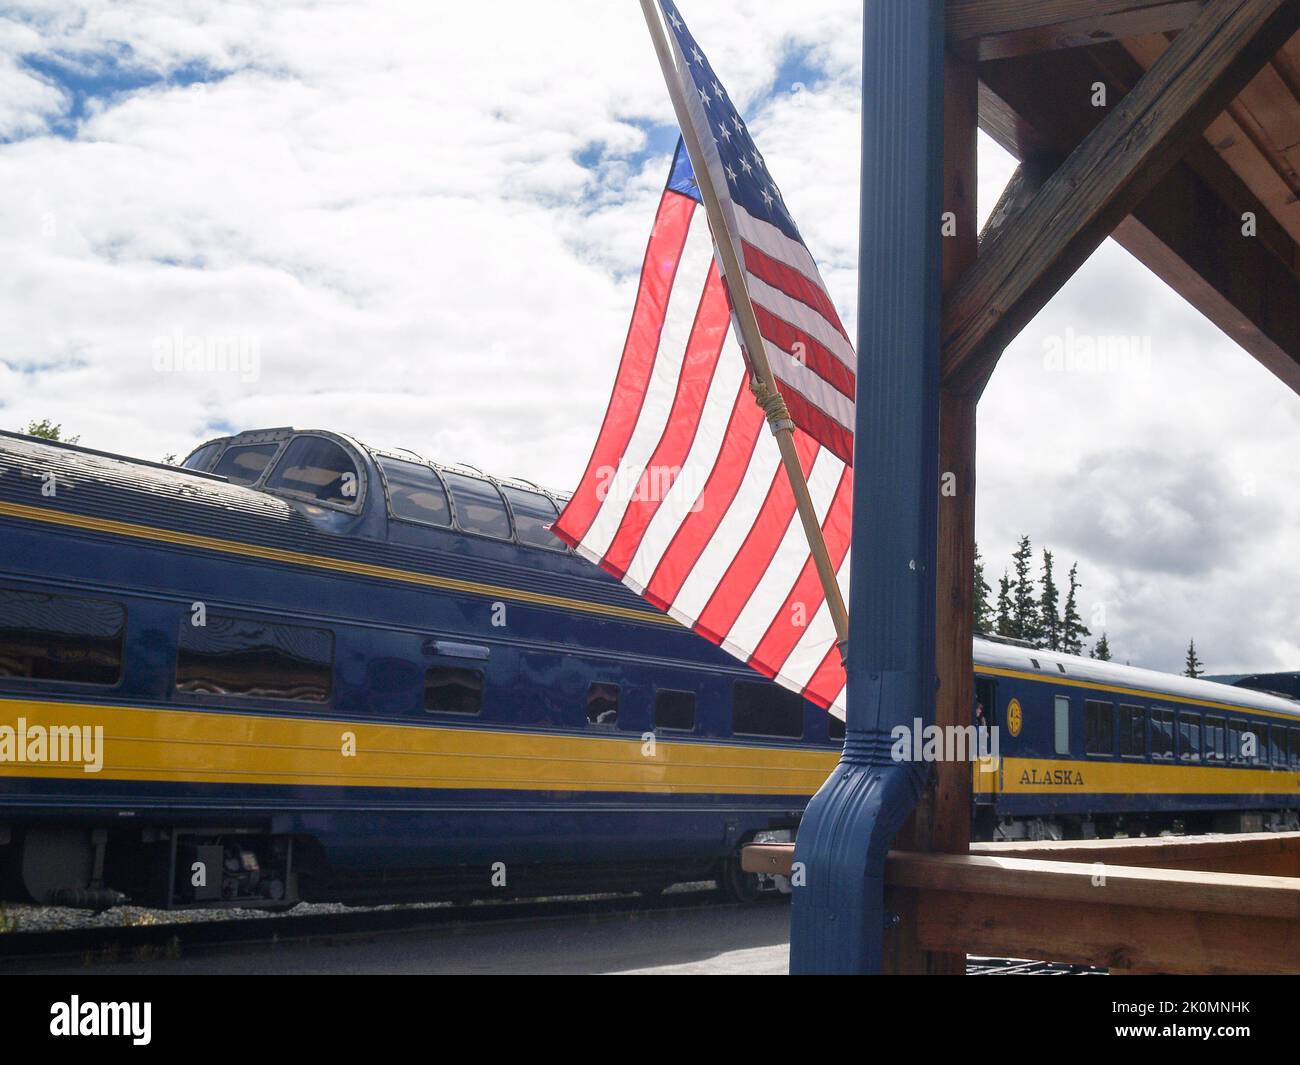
(1090, 748)
(299, 667)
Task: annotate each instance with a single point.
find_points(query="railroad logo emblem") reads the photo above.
(1014, 717)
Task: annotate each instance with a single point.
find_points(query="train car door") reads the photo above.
(987, 772)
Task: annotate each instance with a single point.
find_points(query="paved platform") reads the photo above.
(708, 940)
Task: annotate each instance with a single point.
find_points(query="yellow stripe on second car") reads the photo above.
(1028, 776)
(173, 745)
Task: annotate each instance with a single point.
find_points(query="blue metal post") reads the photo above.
(838, 919)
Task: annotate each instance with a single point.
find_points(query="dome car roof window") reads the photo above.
(479, 506)
(415, 493)
(533, 512)
(317, 469)
(244, 463)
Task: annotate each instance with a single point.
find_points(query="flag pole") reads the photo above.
(762, 382)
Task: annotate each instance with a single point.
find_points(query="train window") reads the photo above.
(479, 506)
(675, 710)
(1236, 744)
(1215, 740)
(202, 457)
(1098, 727)
(834, 728)
(449, 690)
(1061, 725)
(602, 704)
(60, 637)
(766, 710)
(415, 493)
(1278, 735)
(318, 469)
(1295, 746)
(258, 659)
(244, 464)
(1254, 744)
(1189, 737)
(533, 513)
(1132, 731)
(1162, 733)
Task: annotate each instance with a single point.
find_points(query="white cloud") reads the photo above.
(428, 219)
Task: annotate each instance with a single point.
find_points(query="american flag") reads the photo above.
(685, 499)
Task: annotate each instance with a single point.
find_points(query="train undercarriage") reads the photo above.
(251, 867)
(206, 867)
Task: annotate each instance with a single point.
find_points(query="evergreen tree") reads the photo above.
(1195, 667)
(1024, 604)
(984, 619)
(48, 430)
(1101, 650)
(1049, 621)
(1005, 624)
(1073, 630)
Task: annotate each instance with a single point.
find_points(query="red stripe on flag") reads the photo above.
(658, 271)
(793, 283)
(708, 334)
(816, 355)
(719, 492)
(818, 424)
(757, 551)
(806, 593)
(827, 680)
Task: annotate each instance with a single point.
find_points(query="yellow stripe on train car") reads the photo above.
(1042, 776)
(174, 745)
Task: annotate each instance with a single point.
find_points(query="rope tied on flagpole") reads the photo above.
(773, 406)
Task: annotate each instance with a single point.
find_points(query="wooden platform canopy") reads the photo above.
(1173, 125)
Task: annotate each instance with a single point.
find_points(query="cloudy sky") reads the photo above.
(422, 224)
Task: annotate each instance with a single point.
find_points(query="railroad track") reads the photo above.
(1019, 967)
(174, 939)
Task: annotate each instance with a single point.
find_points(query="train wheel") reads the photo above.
(735, 883)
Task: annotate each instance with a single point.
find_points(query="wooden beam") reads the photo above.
(1019, 192)
(1122, 917)
(997, 29)
(1187, 230)
(941, 820)
(1099, 911)
(1249, 286)
(1265, 853)
(1107, 175)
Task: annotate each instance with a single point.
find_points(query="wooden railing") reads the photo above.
(1189, 904)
